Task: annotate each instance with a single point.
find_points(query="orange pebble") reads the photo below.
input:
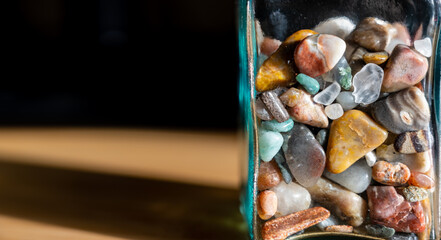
(339, 228)
(394, 174)
(421, 180)
(267, 204)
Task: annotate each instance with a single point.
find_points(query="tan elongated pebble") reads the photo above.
(282, 227)
(394, 174)
(267, 204)
(419, 162)
(346, 205)
(413, 142)
(339, 228)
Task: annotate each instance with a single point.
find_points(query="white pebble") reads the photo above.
(339, 26)
(370, 158)
(334, 111)
(423, 46)
(346, 100)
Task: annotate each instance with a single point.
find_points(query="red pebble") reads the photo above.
(390, 209)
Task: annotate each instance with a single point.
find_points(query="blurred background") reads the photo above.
(119, 119)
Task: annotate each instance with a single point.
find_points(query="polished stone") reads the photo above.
(350, 138)
(334, 111)
(394, 174)
(397, 73)
(403, 111)
(346, 205)
(346, 100)
(328, 95)
(266, 204)
(305, 156)
(278, 127)
(274, 105)
(269, 144)
(367, 84)
(318, 54)
(269, 175)
(373, 34)
(356, 178)
(291, 198)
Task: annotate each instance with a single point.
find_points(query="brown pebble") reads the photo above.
(282, 227)
(339, 228)
(274, 106)
(413, 142)
(393, 174)
(267, 204)
(269, 45)
(269, 175)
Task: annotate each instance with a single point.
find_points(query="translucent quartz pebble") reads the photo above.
(318, 54)
(346, 100)
(350, 138)
(370, 158)
(261, 111)
(278, 127)
(310, 84)
(413, 142)
(328, 95)
(283, 166)
(291, 198)
(403, 111)
(331, 221)
(266, 204)
(380, 231)
(334, 111)
(322, 136)
(397, 73)
(367, 84)
(356, 178)
(303, 109)
(274, 105)
(423, 46)
(341, 73)
(415, 194)
(390, 209)
(269, 144)
(269, 175)
(278, 69)
(376, 57)
(305, 156)
(373, 34)
(338, 26)
(346, 205)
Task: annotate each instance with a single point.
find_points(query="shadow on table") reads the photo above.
(119, 206)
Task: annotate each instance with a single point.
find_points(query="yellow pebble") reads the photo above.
(350, 138)
(376, 57)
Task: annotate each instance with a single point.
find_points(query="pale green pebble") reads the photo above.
(273, 125)
(310, 84)
(269, 144)
(345, 77)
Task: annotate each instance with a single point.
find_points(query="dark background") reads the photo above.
(160, 64)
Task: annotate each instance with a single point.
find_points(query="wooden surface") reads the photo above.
(118, 184)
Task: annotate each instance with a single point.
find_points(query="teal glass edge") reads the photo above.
(245, 91)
